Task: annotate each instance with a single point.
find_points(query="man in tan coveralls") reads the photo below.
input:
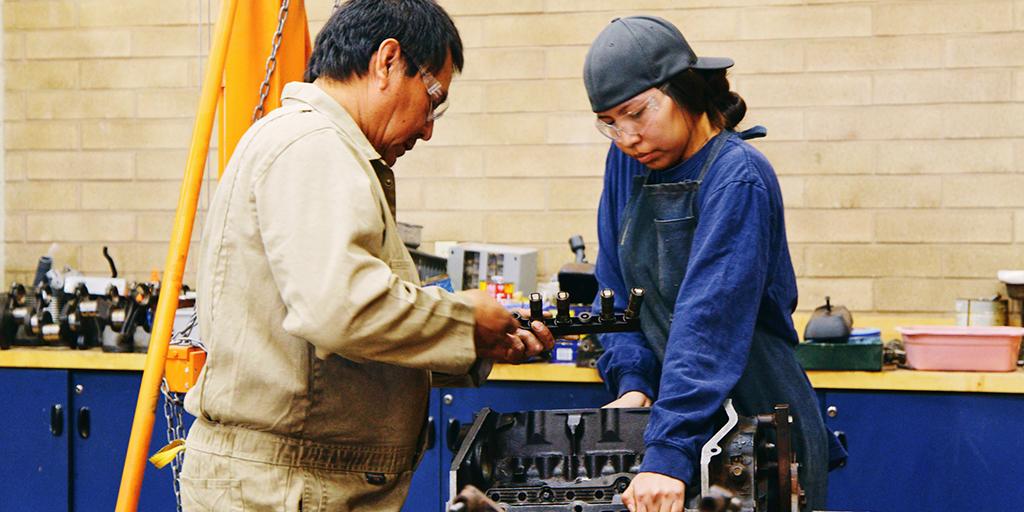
(321, 343)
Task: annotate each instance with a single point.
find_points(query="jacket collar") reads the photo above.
(319, 100)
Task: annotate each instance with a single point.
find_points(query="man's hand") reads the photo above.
(629, 399)
(500, 337)
(654, 492)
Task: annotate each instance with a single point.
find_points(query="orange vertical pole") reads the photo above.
(177, 255)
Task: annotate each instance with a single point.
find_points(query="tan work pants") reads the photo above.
(232, 469)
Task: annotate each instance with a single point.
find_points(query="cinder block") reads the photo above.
(564, 61)
(475, 7)
(23, 257)
(1018, 83)
(490, 129)
(796, 255)
(504, 64)
(980, 261)
(14, 46)
(950, 226)
(1018, 226)
(838, 157)
(820, 226)
(471, 30)
(126, 134)
(538, 228)
(983, 191)
(874, 192)
(158, 226)
(483, 194)
(168, 103)
(984, 120)
(80, 227)
(928, 295)
(166, 164)
(14, 231)
(77, 44)
(409, 193)
(14, 166)
(36, 15)
(942, 86)
(574, 194)
(805, 22)
(784, 124)
(150, 195)
(446, 225)
(79, 165)
(546, 160)
(27, 196)
(793, 189)
(875, 53)
(996, 50)
(80, 104)
(40, 135)
(572, 128)
(37, 75)
(942, 17)
(856, 294)
(543, 29)
(789, 90)
(873, 260)
(761, 56)
(433, 161)
(876, 123)
(537, 96)
(945, 156)
(465, 97)
(14, 106)
(100, 13)
(166, 42)
(136, 73)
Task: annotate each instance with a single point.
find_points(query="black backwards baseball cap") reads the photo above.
(634, 54)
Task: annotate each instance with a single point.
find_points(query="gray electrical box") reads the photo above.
(469, 264)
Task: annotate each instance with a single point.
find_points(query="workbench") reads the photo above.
(918, 440)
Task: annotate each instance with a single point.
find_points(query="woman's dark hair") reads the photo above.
(700, 91)
(356, 29)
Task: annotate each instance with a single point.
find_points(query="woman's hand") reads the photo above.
(629, 399)
(654, 492)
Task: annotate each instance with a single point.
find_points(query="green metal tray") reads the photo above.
(840, 356)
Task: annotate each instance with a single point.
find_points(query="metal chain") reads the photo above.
(173, 410)
(282, 15)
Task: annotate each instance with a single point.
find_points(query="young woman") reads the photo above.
(694, 215)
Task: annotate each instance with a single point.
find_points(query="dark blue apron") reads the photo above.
(656, 259)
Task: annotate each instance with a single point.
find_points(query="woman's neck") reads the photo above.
(700, 134)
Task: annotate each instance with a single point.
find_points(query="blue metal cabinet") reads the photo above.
(928, 451)
(34, 440)
(103, 405)
(425, 491)
(458, 405)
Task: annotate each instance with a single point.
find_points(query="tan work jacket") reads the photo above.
(308, 301)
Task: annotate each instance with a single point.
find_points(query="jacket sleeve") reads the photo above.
(627, 364)
(322, 229)
(714, 317)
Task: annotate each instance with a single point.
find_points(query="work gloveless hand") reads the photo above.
(499, 336)
(654, 492)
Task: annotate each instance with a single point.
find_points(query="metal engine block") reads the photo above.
(581, 460)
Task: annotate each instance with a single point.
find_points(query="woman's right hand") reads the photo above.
(629, 399)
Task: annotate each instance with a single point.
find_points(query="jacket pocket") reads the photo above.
(211, 495)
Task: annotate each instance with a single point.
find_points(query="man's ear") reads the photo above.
(386, 62)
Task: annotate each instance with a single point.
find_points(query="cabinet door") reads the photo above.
(103, 406)
(458, 405)
(928, 451)
(425, 491)
(33, 440)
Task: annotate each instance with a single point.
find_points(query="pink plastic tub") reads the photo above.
(971, 349)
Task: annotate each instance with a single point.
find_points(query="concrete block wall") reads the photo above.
(895, 128)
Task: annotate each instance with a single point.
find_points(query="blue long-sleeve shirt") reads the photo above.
(739, 276)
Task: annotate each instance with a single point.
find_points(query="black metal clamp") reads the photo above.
(605, 321)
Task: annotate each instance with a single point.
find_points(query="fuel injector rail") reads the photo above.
(605, 321)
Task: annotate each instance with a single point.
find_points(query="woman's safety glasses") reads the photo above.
(632, 123)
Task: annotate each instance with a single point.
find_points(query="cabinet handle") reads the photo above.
(453, 433)
(431, 434)
(57, 420)
(84, 422)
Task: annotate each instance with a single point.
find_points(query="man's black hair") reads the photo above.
(356, 29)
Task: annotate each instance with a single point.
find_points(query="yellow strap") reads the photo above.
(166, 454)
